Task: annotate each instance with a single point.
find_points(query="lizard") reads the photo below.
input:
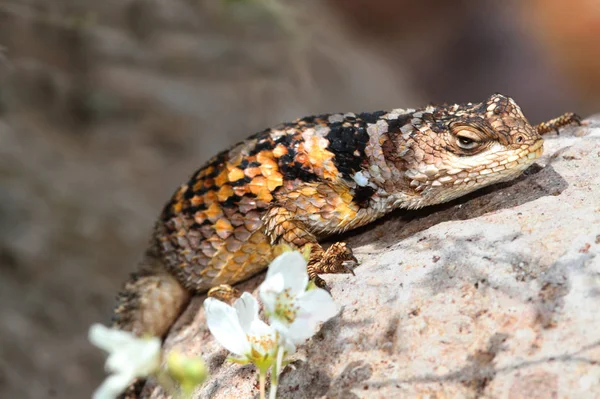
(300, 182)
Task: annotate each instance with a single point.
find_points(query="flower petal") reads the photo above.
(288, 345)
(224, 325)
(148, 357)
(247, 310)
(113, 386)
(261, 329)
(318, 304)
(314, 307)
(109, 339)
(287, 337)
(270, 289)
(141, 357)
(299, 331)
(292, 266)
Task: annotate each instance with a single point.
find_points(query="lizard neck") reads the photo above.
(385, 166)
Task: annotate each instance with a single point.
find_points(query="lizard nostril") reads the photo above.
(519, 139)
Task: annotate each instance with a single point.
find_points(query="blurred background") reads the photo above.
(107, 106)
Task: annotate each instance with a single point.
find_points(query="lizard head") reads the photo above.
(452, 150)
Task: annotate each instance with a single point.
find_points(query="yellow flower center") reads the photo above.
(264, 342)
(285, 308)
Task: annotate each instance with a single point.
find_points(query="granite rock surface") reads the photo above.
(494, 295)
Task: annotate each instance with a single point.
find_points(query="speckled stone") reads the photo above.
(494, 295)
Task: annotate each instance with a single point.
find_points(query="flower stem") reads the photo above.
(275, 373)
(262, 380)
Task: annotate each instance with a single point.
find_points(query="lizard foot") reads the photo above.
(225, 293)
(337, 259)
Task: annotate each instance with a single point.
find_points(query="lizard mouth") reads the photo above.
(534, 151)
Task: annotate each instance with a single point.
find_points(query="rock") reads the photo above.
(495, 295)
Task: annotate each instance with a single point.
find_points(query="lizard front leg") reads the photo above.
(555, 124)
(311, 210)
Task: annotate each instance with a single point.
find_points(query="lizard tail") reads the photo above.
(151, 300)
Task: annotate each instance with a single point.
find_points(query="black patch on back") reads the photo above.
(213, 174)
(371, 117)
(348, 145)
(232, 201)
(264, 144)
(285, 140)
(240, 182)
(394, 125)
(362, 195)
(300, 172)
(243, 164)
(190, 210)
(292, 169)
(189, 193)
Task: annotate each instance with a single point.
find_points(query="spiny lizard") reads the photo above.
(299, 182)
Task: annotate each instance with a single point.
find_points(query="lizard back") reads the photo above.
(211, 231)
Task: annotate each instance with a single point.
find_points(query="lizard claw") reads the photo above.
(319, 282)
(350, 265)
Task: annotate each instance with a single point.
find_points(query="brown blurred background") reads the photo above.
(107, 106)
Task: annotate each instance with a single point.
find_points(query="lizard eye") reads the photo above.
(467, 140)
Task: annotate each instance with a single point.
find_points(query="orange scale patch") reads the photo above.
(206, 171)
(259, 187)
(330, 171)
(265, 196)
(222, 178)
(346, 197)
(308, 191)
(197, 200)
(319, 157)
(200, 217)
(240, 190)
(316, 151)
(177, 207)
(345, 212)
(223, 228)
(258, 184)
(268, 168)
(280, 150)
(235, 174)
(198, 185)
(301, 157)
(264, 156)
(210, 197)
(214, 211)
(224, 193)
(252, 172)
(275, 180)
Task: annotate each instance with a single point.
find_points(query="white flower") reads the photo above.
(129, 357)
(295, 312)
(241, 332)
